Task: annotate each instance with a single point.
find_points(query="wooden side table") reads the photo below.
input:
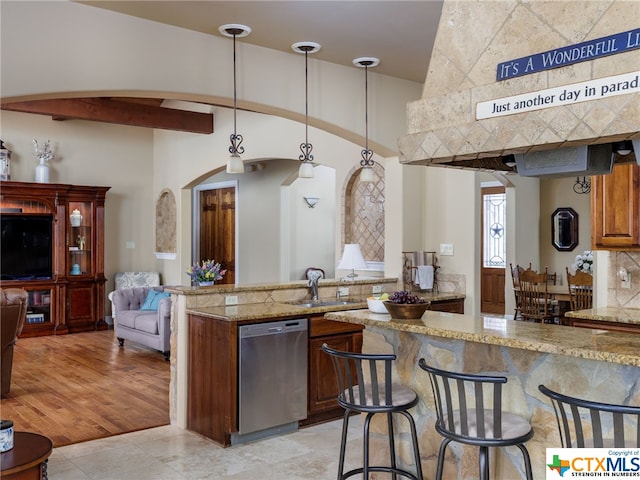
(27, 460)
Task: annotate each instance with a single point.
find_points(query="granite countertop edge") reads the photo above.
(608, 314)
(584, 343)
(270, 310)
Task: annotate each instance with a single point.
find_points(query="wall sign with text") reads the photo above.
(561, 57)
(564, 95)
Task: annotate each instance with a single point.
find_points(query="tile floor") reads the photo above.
(170, 453)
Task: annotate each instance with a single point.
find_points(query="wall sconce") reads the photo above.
(311, 201)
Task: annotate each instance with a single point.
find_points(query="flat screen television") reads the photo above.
(26, 247)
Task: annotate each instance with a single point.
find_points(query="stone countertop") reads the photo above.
(585, 343)
(608, 314)
(270, 310)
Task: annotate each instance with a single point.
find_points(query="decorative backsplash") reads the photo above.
(624, 297)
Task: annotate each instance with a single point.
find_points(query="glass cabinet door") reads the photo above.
(80, 235)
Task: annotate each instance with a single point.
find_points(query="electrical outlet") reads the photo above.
(231, 300)
(343, 291)
(376, 289)
(446, 249)
(626, 283)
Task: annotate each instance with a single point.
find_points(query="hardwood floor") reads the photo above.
(83, 386)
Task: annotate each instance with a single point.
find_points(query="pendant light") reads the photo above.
(367, 163)
(306, 167)
(235, 165)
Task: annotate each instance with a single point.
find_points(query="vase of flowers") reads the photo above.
(584, 262)
(44, 155)
(206, 272)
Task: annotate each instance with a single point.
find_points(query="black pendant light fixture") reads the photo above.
(306, 167)
(235, 165)
(367, 163)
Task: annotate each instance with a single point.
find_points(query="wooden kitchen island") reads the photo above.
(593, 364)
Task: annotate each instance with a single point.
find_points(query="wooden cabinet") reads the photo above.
(452, 306)
(65, 225)
(615, 209)
(323, 387)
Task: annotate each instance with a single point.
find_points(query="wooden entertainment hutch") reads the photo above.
(72, 298)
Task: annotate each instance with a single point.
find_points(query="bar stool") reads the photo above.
(462, 416)
(360, 390)
(584, 423)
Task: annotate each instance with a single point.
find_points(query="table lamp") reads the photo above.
(352, 259)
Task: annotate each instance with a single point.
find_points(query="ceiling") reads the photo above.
(400, 33)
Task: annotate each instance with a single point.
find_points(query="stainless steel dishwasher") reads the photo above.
(272, 384)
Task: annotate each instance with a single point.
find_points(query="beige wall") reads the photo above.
(97, 154)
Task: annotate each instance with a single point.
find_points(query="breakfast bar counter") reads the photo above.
(594, 364)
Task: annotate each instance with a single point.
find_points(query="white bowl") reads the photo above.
(376, 306)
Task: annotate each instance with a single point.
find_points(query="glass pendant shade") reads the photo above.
(235, 164)
(305, 170)
(367, 174)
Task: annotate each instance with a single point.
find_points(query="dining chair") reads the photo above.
(469, 411)
(587, 424)
(515, 278)
(536, 303)
(580, 290)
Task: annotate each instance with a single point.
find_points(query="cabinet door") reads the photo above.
(80, 239)
(81, 315)
(323, 386)
(615, 206)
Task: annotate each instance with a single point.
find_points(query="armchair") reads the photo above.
(13, 311)
(151, 328)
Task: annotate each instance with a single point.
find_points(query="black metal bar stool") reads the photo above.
(463, 417)
(360, 390)
(587, 424)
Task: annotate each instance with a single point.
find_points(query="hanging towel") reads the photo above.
(419, 258)
(424, 277)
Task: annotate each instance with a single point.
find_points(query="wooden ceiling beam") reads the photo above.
(121, 112)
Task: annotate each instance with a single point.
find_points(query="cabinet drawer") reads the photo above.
(319, 326)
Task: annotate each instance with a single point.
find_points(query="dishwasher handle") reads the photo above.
(273, 328)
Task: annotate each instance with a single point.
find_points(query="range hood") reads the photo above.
(584, 160)
(581, 110)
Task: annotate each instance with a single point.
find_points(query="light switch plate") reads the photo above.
(231, 300)
(376, 289)
(446, 249)
(130, 244)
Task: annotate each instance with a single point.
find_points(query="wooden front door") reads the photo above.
(218, 229)
(493, 248)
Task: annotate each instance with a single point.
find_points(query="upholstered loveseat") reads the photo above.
(143, 315)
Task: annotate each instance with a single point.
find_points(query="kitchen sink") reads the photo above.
(322, 303)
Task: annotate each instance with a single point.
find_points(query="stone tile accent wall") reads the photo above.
(624, 297)
(473, 37)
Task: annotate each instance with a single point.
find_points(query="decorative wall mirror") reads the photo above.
(564, 229)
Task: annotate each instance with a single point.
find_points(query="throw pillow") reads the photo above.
(153, 300)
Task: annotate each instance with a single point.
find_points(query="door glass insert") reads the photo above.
(493, 231)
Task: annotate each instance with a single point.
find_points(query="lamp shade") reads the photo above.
(305, 170)
(352, 258)
(367, 174)
(235, 165)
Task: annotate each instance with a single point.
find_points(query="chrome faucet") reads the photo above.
(314, 276)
